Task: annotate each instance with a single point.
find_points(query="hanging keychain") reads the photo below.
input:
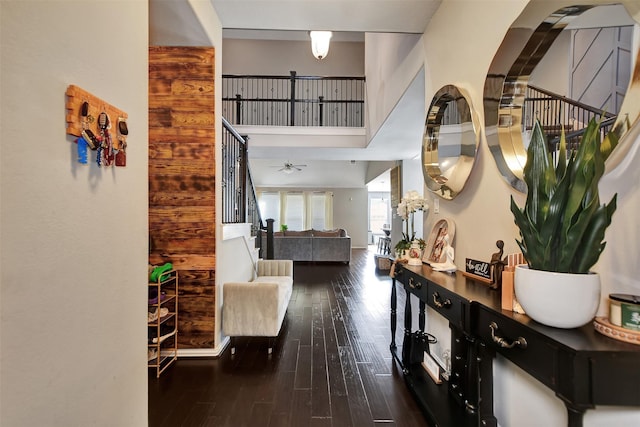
(105, 151)
(123, 131)
(82, 150)
(82, 143)
(86, 119)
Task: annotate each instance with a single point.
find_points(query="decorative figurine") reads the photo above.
(497, 266)
(448, 266)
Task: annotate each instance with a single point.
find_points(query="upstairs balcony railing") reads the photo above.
(293, 100)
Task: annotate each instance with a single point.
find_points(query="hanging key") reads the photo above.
(92, 140)
(123, 131)
(103, 120)
(122, 127)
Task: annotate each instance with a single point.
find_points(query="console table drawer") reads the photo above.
(446, 303)
(416, 283)
(519, 344)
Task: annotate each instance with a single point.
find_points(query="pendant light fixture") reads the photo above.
(320, 43)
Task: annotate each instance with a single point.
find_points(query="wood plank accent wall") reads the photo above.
(182, 182)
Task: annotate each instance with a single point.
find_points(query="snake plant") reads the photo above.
(562, 223)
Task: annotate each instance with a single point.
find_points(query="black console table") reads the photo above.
(582, 367)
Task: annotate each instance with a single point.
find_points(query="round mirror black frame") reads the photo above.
(504, 96)
(446, 166)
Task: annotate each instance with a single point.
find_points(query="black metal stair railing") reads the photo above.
(239, 201)
(234, 166)
(293, 100)
(253, 214)
(556, 112)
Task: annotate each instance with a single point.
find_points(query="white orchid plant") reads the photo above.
(411, 202)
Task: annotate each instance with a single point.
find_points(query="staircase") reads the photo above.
(240, 211)
(556, 112)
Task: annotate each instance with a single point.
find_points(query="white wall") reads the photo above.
(481, 212)
(211, 26)
(554, 64)
(411, 180)
(277, 57)
(391, 63)
(350, 209)
(74, 238)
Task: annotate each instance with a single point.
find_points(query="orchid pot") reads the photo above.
(408, 206)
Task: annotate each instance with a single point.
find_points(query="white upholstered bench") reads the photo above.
(257, 308)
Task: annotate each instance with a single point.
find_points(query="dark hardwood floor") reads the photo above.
(331, 364)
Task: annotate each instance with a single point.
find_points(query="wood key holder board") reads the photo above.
(76, 96)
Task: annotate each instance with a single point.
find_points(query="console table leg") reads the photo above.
(421, 315)
(406, 344)
(394, 315)
(575, 415)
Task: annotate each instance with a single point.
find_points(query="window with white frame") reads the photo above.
(318, 214)
(294, 211)
(299, 210)
(269, 203)
(379, 211)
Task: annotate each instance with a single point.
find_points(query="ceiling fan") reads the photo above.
(289, 167)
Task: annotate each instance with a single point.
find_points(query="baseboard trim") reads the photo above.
(205, 352)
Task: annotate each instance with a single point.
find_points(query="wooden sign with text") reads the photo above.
(479, 270)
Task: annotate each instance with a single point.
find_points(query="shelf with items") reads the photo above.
(162, 322)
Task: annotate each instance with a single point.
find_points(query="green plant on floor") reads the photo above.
(562, 223)
(283, 227)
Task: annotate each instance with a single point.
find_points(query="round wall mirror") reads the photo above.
(575, 66)
(450, 142)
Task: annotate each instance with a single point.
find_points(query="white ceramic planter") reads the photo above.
(561, 300)
(415, 254)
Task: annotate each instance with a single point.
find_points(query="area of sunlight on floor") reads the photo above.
(376, 290)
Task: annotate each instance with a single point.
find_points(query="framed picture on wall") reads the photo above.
(396, 186)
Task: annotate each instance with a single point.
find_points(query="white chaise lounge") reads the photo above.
(257, 308)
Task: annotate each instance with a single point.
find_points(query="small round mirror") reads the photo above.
(450, 142)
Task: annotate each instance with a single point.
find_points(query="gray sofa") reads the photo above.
(312, 245)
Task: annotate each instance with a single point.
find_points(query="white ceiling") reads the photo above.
(388, 16)
(291, 20)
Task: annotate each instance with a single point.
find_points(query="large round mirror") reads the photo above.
(450, 142)
(575, 66)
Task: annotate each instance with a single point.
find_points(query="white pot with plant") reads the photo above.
(562, 227)
(409, 247)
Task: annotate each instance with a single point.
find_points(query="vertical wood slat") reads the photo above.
(182, 181)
